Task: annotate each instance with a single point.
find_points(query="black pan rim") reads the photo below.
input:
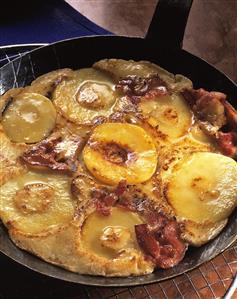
(40, 46)
(83, 277)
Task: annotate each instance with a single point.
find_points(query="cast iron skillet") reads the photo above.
(162, 45)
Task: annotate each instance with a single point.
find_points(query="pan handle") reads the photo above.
(168, 23)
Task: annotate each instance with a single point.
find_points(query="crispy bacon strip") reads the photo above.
(231, 115)
(178, 248)
(121, 188)
(228, 144)
(136, 87)
(163, 244)
(213, 107)
(105, 198)
(146, 241)
(191, 96)
(208, 106)
(57, 153)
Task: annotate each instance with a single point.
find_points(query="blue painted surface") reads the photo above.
(50, 21)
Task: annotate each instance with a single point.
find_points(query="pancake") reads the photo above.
(116, 169)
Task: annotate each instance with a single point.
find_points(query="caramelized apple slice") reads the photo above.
(87, 95)
(46, 84)
(119, 69)
(203, 187)
(117, 151)
(169, 114)
(29, 118)
(108, 235)
(36, 202)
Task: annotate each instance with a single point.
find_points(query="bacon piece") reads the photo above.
(136, 87)
(177, 248)
(57, 153)
(228, 144)
(121, 188)
(103, 208)
(231, 115)
(191, 96)
(208, 106)
(162, 244)
(146, 241)
(156, 221)
(213, 107)
(104, 200)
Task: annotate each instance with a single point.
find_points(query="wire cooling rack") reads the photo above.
(210, 281)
